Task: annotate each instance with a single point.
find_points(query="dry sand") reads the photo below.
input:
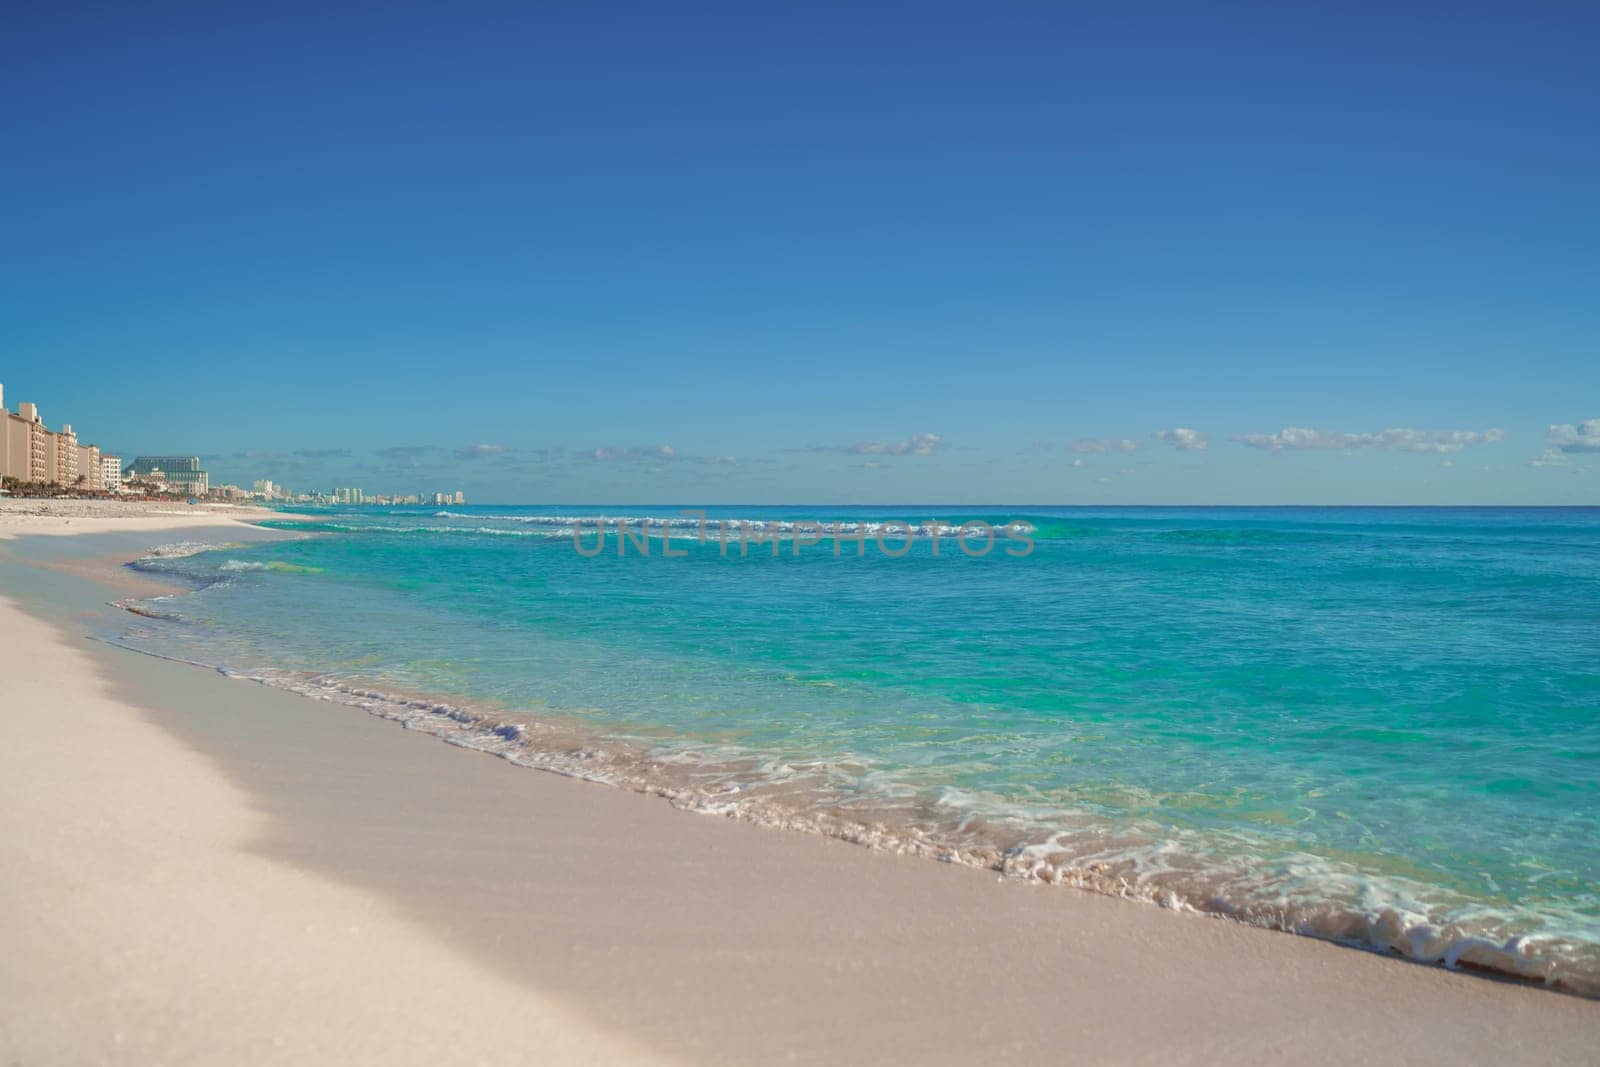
(203, 870)
(44, 517)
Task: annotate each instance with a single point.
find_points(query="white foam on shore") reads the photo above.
(181, 549)
(846, 800)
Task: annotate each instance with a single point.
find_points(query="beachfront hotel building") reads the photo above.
(32, 452)
(175, 472)
(111, 472)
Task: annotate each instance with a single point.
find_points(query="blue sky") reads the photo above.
(803, 253)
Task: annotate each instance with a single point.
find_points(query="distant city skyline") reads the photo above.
(660, 474)
(1566, 448)
(734, 254)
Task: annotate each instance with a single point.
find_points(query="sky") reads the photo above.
(793, 253)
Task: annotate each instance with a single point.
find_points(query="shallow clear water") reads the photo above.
(1378, 725)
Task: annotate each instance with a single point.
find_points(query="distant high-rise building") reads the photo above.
(168, 464)
(91, 467)
(177, 472)
(461, 498)
(26, 445)
(63, 448)
(111, 472)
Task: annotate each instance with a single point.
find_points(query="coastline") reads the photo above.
(142, 925)
(705, 938)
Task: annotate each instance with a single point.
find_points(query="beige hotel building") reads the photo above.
(29, 452)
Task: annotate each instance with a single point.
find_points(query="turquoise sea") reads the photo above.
(1380, 726)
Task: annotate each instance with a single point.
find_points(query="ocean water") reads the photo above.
(1380, 726)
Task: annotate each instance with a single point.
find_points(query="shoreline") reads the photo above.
(563, 746)
(143, 923)
(743, 945)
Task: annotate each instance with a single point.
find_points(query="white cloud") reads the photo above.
(480, 451)
(1584, 437)
(1550, 457)
(1399, 440)
(630, 455)
(410, 454)
(918, 444)
(1183, 438)
(1101, 445)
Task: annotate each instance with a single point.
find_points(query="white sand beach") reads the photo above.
(142, 926)
(44, 517)
(201, 870)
